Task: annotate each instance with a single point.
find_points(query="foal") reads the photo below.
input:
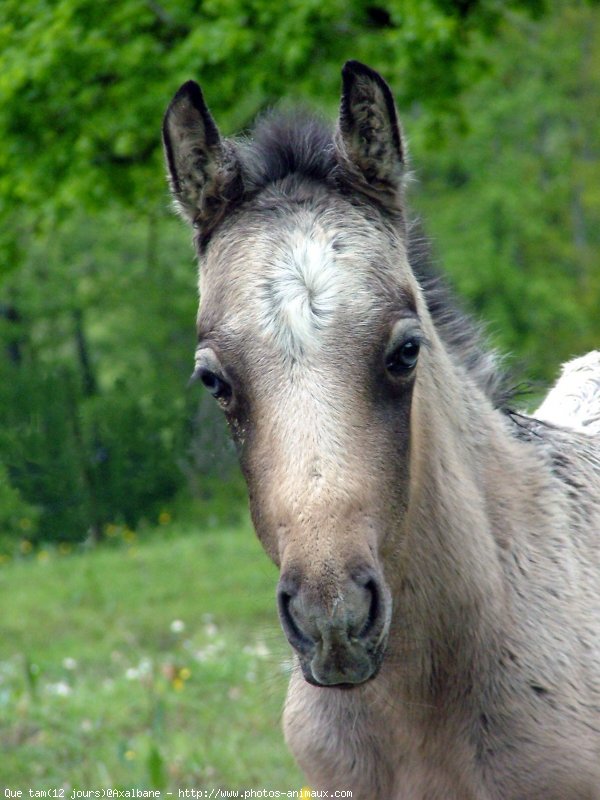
(439, 556)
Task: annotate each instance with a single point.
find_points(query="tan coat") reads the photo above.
(439, 555)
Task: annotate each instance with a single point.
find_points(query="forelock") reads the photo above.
(286, 143)
(294, 152)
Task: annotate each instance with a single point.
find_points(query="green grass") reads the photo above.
(152, 665)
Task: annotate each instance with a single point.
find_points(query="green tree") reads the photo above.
(98, 297)
(514, 201)
(83, 84)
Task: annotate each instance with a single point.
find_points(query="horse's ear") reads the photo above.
(369, 139)
(203, 171)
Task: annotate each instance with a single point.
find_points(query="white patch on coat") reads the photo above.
(301, 291)
(575, 399)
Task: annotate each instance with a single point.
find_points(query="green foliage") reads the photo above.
(97, 421)
(17, 518)
(149, 666)
(109, 459)
(98, 299)
(98, 433)
(83, 84)
(514, 201)
(131, 457)
(39, 442)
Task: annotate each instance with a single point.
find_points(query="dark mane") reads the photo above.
(297, 142)
(461, 333)
(286, 143)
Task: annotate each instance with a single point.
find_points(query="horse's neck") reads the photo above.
(463, 458)
(468, 484)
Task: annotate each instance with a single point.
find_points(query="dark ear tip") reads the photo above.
(191, 94)
(189, 91)
(352, 68)
(352, 73)
(355, 69)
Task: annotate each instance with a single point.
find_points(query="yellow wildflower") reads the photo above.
(164, 518)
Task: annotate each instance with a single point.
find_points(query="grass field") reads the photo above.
(154, 664)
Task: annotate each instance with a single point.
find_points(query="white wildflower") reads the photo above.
(145, 667)
(258, 650)
(210, 652)
(62, 689)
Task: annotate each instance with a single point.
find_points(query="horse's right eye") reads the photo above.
(216, 385)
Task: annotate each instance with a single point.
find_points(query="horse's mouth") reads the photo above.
(340, 643)
(346, 673)
(346, 687)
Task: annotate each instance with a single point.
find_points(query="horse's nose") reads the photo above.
(335, 632)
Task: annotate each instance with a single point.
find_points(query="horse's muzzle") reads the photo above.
(340, 637)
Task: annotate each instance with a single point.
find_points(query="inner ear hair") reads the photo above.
(369, 136)
(201, 165)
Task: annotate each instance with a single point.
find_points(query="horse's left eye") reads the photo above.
(403, 358)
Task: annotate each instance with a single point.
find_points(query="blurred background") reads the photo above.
(138, 638)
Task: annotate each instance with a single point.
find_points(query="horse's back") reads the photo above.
(574, 401)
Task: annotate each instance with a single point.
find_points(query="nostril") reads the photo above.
(296, 637)
(372, 587)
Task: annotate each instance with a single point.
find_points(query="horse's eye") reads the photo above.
(218, 387)
(403, 358)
